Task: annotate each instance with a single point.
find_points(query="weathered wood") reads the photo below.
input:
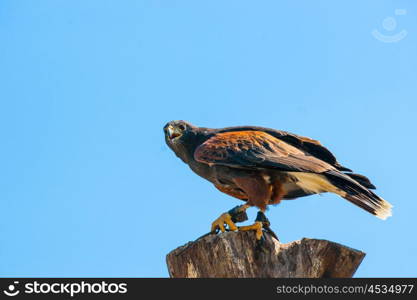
(233, 254)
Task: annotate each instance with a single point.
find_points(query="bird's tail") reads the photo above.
(355, 192)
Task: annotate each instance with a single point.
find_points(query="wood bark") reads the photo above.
(234, 255)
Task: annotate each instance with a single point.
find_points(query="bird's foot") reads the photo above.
(260, 238)
(237, 214)
(261, 224)
(220, 222)
(257, 227)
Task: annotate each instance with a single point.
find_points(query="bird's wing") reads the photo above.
(257, 149)
(313, 147)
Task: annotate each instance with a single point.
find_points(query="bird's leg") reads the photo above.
(261, 222)
(236, 214)
(266, 224)
(257, 226)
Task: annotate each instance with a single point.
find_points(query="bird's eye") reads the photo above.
(181, 127)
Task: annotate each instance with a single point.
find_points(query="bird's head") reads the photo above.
(183, 137)
(177, 131)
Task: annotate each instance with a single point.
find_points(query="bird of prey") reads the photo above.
(263, 166)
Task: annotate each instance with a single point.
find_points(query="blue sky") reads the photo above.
(88, 186)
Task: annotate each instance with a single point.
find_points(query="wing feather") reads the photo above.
(308, 145)
(257, 149)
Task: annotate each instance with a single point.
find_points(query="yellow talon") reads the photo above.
(225, 218)
(257, 226)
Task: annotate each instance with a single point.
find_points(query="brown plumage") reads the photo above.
(263, 166)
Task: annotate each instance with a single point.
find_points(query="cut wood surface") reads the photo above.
(234, 255)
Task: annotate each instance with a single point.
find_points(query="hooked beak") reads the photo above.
(173, 132)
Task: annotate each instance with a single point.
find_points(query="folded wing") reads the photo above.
(257, 149)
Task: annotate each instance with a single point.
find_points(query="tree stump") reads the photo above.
(234, 255)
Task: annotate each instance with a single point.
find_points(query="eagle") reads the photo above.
(263, 166)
